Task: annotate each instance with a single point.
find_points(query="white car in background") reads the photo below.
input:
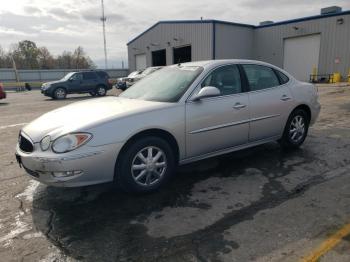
(146, 72)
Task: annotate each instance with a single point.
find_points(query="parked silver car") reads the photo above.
(179, 114)
(132, 80)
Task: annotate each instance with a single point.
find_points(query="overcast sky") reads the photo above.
(65, 24)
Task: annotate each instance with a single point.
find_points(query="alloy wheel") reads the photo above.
(297, 128)
(149, 166)
(60, 93)
(101, 91)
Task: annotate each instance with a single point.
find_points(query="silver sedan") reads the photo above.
(179, 114)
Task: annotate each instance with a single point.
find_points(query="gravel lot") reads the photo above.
(260, 204)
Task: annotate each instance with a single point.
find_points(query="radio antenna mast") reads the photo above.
(103, 19)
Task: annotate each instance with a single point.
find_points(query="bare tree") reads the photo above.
(27, 55)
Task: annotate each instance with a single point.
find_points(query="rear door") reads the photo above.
(90, 81)
(270, 101)
(221, 122)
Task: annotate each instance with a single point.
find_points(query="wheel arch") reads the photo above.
(157, 132)
(304, 107)
(101, 85)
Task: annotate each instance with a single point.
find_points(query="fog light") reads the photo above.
(67, 173)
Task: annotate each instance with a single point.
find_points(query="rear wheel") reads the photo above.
(296, 129)
(101, 91)
(59, 93)
(145, 165)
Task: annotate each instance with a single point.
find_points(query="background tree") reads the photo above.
(45, 59)
(5, 60)
(27, 55)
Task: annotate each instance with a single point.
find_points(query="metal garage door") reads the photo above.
(140, 62)
(301, 55)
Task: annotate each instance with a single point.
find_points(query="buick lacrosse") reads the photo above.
(179, 114)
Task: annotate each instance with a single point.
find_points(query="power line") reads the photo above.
(103, 19)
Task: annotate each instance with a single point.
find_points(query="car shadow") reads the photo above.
(3, 104)
(96, 223)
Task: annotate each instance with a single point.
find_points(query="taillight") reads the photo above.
(110, 81)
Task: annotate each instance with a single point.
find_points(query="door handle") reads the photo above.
(285, 98)
(239, 106)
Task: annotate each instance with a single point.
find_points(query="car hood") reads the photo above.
(52, 82)
(83, 115)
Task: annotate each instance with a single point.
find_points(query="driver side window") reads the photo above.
(227, 79)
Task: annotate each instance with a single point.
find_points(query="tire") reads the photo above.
(296, 129)
(101, 90)
(59, 93)
(145, 177)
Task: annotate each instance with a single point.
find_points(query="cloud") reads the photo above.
(32, 10)
(66, 24)
(63, 14)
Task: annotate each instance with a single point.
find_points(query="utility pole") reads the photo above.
(103, 19)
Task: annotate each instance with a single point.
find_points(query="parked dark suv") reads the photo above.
(94, 82)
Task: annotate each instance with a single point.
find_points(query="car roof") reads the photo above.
(224, 61)
(209, 64)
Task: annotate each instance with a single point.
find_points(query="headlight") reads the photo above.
(45, 143)
(70, 142)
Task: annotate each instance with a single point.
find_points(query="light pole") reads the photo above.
(103, 19)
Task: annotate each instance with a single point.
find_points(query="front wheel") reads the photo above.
(59, 93)
(145, 165)
(295, 130)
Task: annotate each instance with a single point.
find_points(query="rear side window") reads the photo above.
(102, 74)
(260, 77)
(89, 75)
(283, 78)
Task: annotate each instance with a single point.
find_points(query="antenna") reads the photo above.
(103, 19)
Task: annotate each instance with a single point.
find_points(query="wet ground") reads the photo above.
(260, 204)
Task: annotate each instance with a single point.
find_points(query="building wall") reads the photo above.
(335, 42)
(232, 41)
(198, 35)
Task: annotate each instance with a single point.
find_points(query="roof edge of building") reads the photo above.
(304, 19)
(212, 21)
(208, 21)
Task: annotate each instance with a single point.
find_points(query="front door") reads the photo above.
(75, 82)
(220, 122)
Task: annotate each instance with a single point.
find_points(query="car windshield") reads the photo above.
(67, 76)
(165, 85)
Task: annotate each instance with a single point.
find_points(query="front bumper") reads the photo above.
(95, 165)
(45, 92)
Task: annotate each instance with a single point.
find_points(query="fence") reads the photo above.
(9, 75)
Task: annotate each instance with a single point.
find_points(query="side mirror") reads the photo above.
(207, 91)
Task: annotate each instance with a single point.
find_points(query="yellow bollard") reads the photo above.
(314, 74)
(336, 77)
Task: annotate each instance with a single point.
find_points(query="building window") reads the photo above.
(182, 54)
(159, 58)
